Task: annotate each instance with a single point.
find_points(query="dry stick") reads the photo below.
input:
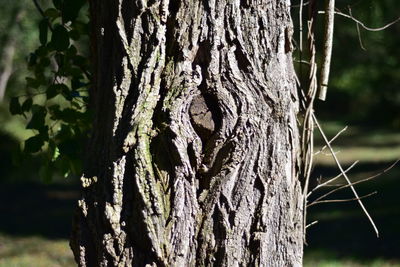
(301, 4)
(301, 38)
(301, 27)
(307, 141)
(311, 224)
(342, 200)
(358, 31)
(332, 179)
(357, 182)
(327, 53)
(341, 187)
(362, 24)
(330, 141)
(345, 176)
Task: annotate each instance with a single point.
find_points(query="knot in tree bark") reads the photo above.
(201, 118)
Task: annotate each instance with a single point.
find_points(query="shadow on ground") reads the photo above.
(29, 207)
(344, 231)
(36, 209)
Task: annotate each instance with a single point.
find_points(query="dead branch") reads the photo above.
(327, 50)
(362, 24)
(330, 141)
(358, 31)
(342, 200)
(339, 165)
(332, 179)
(311, 224)
(357, 182)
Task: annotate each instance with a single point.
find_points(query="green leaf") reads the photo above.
(32, 82)
(70, 115)
(38, 119)
(44, 62)
(71, 10)
(42, 51)
(74, 34)
(66, 93)
(44, 132)
(52, 13)
(33, 144)
(43, 27)
(62, 164)
(72, 51)
(55, 112)
(52, 91)
(76, 84)
(58, 4)
(15, 106)
(56, 154)
(26, 106)
(59, 38)
(32, 60)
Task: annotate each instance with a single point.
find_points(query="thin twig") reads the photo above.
(301, 4)
(330, 142)
(332, 179)
(342, 187)
(307, 138)
(311, 224)
(302, 62)
(357, 182)
(362, 24)
(358, 31)
(339, 165)
(341, 200)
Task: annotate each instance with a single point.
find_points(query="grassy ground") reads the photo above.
(34, 251)
(36, 219)
(343, 235)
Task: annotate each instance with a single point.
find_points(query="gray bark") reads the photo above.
(193, 159)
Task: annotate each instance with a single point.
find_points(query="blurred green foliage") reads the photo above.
(55, 99)
(365, 72)
(48, 91)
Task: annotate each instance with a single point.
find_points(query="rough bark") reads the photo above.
(194, 152)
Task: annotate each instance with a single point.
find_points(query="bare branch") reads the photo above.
(311, 224)
(327, 51)
(358, 182)
(333, 139)
(333, 179)
(341, 200)
(362, 24)
(358, 31)
(301, 4)
(339, 165)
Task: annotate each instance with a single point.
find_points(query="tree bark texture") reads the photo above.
(193, 160)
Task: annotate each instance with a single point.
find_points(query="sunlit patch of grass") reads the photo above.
(356, 143)
(13, 125)
(323, 258)
(34, 251)
(347, 155)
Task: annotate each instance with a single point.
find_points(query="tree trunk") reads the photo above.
(193, 159)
